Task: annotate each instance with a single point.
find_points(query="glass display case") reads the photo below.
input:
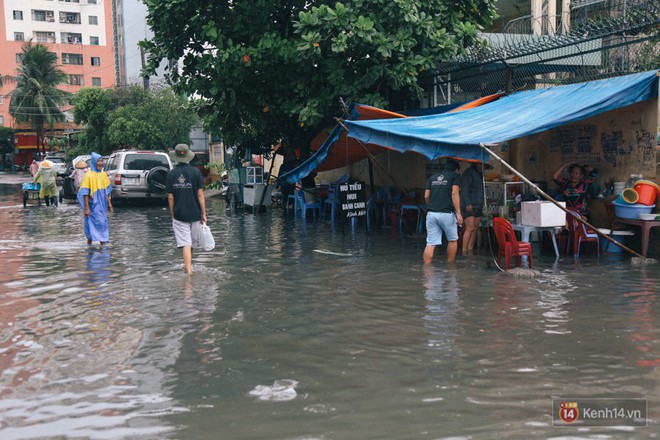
(502, 194)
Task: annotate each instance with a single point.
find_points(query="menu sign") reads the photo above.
(353, 199)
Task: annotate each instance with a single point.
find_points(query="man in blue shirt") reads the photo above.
(442, 197)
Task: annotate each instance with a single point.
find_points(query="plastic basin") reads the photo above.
(632, 212)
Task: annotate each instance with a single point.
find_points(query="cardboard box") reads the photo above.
(542, 213)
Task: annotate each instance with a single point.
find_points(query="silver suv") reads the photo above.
(59, 164)
(137, 174)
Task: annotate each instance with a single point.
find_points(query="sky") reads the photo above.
(136, 29)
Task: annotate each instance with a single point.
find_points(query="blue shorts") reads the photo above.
(436, 223)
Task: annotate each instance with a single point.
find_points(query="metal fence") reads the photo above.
(598, 39)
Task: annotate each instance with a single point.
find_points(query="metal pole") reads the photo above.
(550, 199)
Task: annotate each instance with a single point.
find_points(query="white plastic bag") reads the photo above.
(206, 240)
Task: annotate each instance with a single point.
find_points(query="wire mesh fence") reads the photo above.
(597, 39)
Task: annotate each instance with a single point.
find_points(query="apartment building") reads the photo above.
(86, 35)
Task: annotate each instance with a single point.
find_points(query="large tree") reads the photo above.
(267, 70)
(161, 121)
(131, 117)
(36, 100)
(91, 107)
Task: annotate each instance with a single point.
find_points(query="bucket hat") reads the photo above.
(46, 164)
(181, 154)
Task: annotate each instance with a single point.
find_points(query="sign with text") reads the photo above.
(353, 200)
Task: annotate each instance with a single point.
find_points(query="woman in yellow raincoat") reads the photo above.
(94, 199)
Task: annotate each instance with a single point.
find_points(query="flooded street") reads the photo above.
(276, 337)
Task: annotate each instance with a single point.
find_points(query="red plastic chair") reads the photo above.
(509, 246)
(579, 233)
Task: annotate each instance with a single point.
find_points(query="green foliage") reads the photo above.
(131, 117)
(159, 122)
(266, 71)
(648, 55)
(36, 100)
(91, 107)
(6, 143)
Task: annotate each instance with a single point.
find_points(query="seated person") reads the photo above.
(573, 190)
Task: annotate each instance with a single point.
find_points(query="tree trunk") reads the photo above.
(41, 150)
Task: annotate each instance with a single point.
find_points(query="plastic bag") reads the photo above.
(206, 240)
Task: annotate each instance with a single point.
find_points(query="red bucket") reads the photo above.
(647, 191)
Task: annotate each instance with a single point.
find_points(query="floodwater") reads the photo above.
(272, 339)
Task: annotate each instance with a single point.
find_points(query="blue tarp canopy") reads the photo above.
(519, 114)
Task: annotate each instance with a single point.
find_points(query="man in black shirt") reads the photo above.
(442, 197)
(185, 197)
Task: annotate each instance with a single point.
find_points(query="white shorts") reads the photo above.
(187, 233)
(439, 222)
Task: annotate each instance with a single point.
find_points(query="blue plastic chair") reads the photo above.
(333, 201)
(293, 197)
(304, 205)
(371, 208)
(411, 207)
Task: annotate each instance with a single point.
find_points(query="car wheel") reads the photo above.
(156, 179)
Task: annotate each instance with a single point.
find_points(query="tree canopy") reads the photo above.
(267, 70)
(131, 117)
(36, 100)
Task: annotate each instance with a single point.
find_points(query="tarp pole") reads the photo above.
(550, 199)
(373, 159)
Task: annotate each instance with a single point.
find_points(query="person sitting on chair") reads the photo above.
(574, 189)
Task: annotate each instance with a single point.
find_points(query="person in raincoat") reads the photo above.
(94, 199)
(47, 177)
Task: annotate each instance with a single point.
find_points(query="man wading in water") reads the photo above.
(442, 197)
(185, 197)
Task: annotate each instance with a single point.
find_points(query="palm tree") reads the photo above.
(36, 99)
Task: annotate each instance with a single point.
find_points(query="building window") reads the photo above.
(72, 58)
(96, 82)
(70, 17)
(91, 2)
(93, 19)
(19, 36)
(19, 58)
(38, 15)
(44, 37)
(76, 80)
(2, 120)
(18, 15)
(96, 61)
(71, 38)
(94, 41)
(71, 1)
(2, 99)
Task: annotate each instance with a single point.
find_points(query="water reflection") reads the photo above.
(270, 338)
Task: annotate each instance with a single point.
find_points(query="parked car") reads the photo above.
(137, 174)
(200, 161)
(59, 164)
(85, 157)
